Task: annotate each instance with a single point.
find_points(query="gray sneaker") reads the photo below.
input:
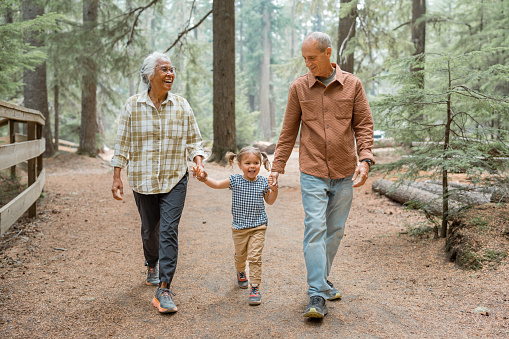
(242, 279)
(152, 276)
(255, 298)
(316, 307)
(333, 292)
(162, 300)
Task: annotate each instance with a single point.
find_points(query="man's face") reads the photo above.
(317, 62)
(163, 77)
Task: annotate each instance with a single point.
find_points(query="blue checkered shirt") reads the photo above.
(248, 206)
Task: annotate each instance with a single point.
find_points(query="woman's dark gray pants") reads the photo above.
(160, 216)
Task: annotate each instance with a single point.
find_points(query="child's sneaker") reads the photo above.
(255, 298)
(242, 279)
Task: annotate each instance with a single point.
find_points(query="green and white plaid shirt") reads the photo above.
(155, 142)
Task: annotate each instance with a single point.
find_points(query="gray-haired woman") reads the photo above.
(156, 129)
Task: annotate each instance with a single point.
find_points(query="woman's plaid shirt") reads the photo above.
(156, 142)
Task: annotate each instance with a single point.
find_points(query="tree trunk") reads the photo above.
(432, 203)
(224, 79)
(445, 186)
(346, 32)
(264, 100)
(88, 127)
(419, 37)
(56, 98)
(35, 91)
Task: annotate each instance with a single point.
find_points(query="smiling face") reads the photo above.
(316, 61)
(250, 166)
(162, 79)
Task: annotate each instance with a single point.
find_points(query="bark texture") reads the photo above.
(264, 97)
(224, 79)
(430, 202)
(346, 31)
(88, 127)
(35, 91)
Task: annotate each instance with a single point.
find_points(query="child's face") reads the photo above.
(250, 165)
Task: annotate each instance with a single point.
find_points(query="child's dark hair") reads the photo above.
(230, 157)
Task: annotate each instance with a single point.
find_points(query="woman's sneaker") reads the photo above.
(242, 279)
(333, 292)
(255, 298)
(162, 300)
(152, 276)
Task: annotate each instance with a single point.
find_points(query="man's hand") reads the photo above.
(273, 183)
(361, 172)
(118, 188)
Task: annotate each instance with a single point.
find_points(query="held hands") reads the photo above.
(199, 173)
(361, 172)
(273, 184)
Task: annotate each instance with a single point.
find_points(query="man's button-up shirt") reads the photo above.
(154, 144)
(333, 120)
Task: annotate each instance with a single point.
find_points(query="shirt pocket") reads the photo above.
(308, 108)
(344, 108)
(175, 125)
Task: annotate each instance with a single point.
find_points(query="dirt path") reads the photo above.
(77, 271)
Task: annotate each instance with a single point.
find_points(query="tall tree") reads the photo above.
(88, 127)
(224, 79)
(264, 96)
(35, 91)
(419, 38)
(346, 32)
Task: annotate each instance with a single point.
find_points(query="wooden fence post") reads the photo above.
(12, 140)
(32, 176)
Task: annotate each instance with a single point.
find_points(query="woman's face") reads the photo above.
(163, 77)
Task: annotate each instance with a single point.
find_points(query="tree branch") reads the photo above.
(187, 30)
(140, 10)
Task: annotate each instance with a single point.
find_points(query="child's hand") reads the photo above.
(272, 185)
(199, 173)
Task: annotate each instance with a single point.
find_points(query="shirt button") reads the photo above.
(325, 94)
(326, 126)
(329, 142)
(330, 159)
(326, 110)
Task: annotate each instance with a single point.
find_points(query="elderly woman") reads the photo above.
(156, 132)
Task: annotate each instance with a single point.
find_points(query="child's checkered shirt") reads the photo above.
(248, 205)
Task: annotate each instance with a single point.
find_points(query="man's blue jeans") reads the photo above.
(326, 203)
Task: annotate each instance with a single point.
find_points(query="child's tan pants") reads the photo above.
(248, 246)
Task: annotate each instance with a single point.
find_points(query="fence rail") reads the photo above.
(18, 149)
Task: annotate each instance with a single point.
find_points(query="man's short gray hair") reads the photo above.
(323, 40)
(149, 65)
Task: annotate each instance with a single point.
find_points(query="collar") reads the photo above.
(144, 97)
(339, 76)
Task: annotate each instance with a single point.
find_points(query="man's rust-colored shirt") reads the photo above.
(332, 120)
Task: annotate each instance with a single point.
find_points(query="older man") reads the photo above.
(156, 132)
(331, 109)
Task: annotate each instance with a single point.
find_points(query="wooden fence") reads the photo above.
(18, 150)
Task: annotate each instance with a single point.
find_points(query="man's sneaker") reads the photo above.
(242, 279)
(162, 300)
(153, 276)
(333, 292)
(255, 298)
(316, 307)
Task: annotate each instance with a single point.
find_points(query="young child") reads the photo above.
(249, 218)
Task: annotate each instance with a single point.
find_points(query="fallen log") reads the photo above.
(430, 202)
(459, 194)
(500, 195)
(265, 146)
(465, 187)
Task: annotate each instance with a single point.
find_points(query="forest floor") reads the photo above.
(77, 270)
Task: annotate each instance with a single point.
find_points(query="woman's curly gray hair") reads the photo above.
(149, 65)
